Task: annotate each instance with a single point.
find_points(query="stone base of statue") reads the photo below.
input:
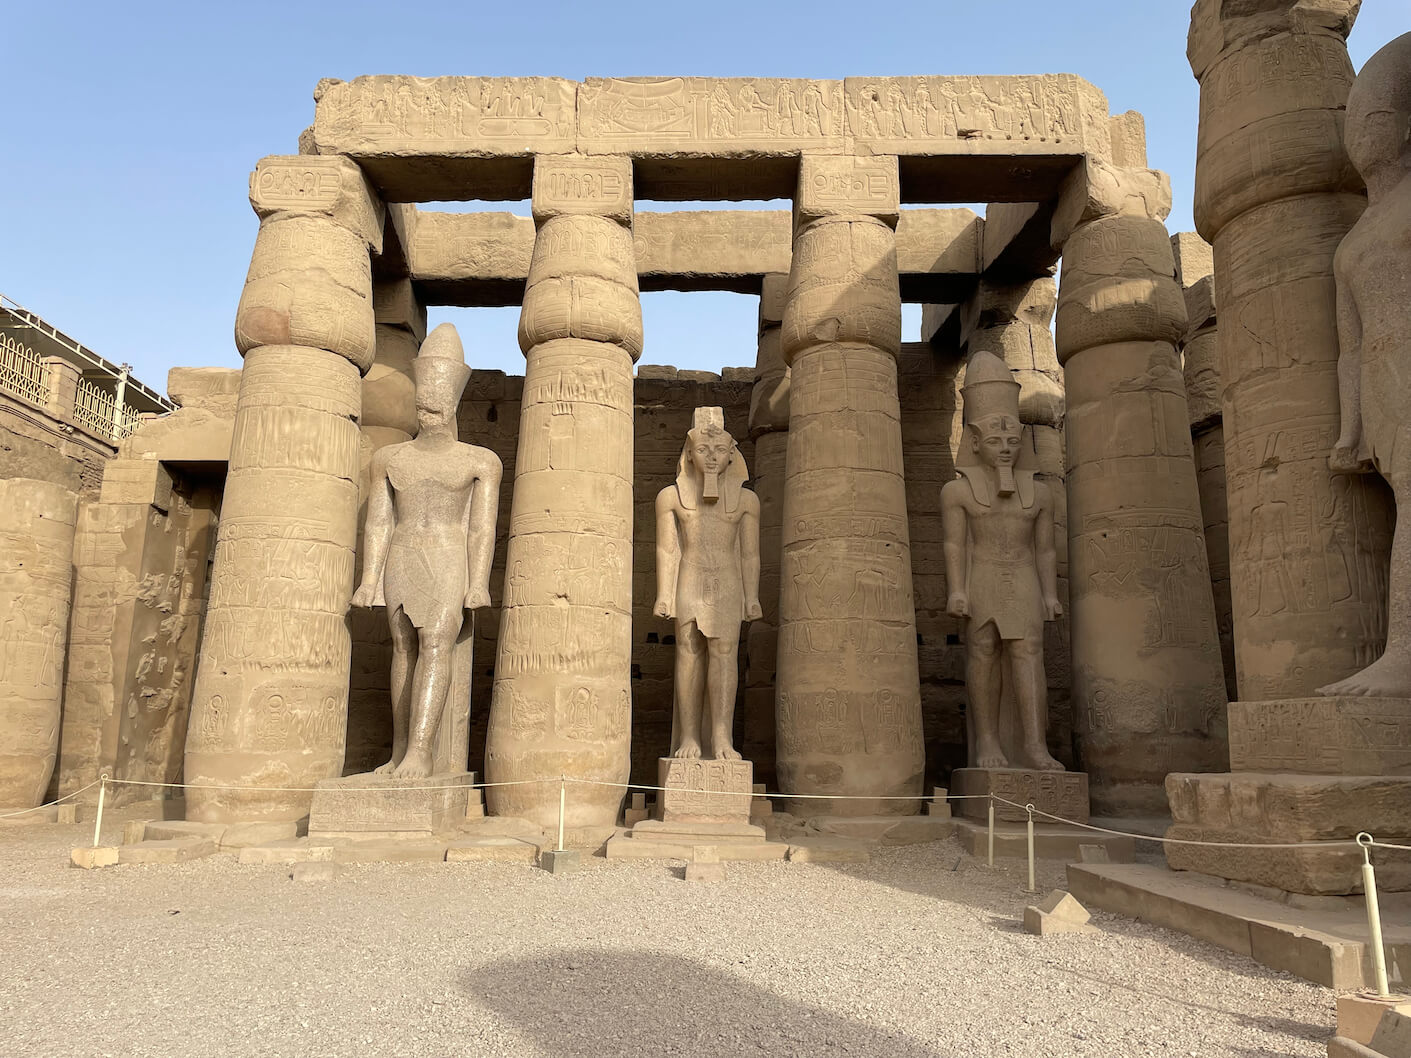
(653, 839)
(1058, 793)
(704, 791)
(373, 806)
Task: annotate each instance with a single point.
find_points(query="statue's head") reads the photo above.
(996, 440)
(1377, 131)
(710, 467)
(441, 374)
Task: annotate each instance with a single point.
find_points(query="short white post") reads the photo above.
(990, 838)
(563, 801)
(98, 819)
(1032, 887)
(1374, 916)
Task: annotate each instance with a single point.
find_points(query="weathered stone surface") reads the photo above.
(1322, 736)
(169, 850)
(385, 804)
(1360, 1015)
(560, 861)
(1058, 913)
(285, 852)
(314, 871)
(492, 850)
(330, 187)
(704, 791)
(848, 186)
(91, 859)
(1059, 793)
(37, 522)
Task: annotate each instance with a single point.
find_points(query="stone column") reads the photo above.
(769, 426)
(1147, 678)
(270, 704)
(562, 701)
(37, 521)
(849, 700)
(61, 378)
(1200, 358)
(1013, 321)
(1275, 194)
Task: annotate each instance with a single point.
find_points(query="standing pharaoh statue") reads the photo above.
(1373, 272)
(708, 580)
(429, 540)
(1001, 568)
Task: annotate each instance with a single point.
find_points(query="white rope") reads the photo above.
(1388, 845)
(311, 789)
(51, 804)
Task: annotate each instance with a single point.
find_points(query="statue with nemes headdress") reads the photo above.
(1001, 569)
(708, 580)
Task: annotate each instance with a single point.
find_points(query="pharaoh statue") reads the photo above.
(1002, 569)
(708, 580)
(429, 539)
(1373, 272)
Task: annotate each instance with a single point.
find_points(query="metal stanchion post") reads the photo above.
(98, 819)
(563, 801)
(1374, 916)
(990, 837)
(1032, 887)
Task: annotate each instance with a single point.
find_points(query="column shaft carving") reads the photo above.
(562, 701)
(848, 701)
(270, 704)
(1148, 686)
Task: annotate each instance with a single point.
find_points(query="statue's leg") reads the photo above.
(982, 688)
(404, 650)
(435, 651)
(690, 689)
(1026, 666)
(1390, 675)
(722, 679)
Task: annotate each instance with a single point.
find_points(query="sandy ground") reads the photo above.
(916, 954)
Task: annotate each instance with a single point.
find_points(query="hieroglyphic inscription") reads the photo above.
(1059, 793)
(449, 111)
(1325, 736)
(702, 791)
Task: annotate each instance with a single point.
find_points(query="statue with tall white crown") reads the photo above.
(1002, 582)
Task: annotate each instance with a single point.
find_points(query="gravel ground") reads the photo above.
(916, 954)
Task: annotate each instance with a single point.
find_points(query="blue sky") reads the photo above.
(132, 127)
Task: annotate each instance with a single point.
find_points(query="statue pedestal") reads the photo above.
(366, 806)
(704, 791)
(1059, 793)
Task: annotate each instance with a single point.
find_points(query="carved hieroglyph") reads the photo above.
(1148, 683)
(1373, 273)
(269, 707)
(769, 425)
(848, 700)
(36, 537)
(429, 540)
(1275, 194)
(707, 582)
(1001, 570)
(562, 699)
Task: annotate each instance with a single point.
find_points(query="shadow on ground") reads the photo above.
(594, 1002)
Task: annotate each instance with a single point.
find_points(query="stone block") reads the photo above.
(314, 871)
(570, 184)
(137, 481)
(371, 804)
(1059, 793)
(833, 185)
(1195, 258)
(704, 791)
(329, 186)
(204, 386)
(1322, 736)
(560, 861)
(243, 835)
(134, 830)
(169, 850)
(1093, 854)
(1360, 1013)
(1393, 1035)
(68, 813)
(705, 872)
(492, 849)
(1058, 913)
(92, 858)
(176, 829)
(297, 850)
(1341, 1047)
(828, 850)
(389, 852)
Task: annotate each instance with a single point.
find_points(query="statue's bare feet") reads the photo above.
(1343, 459)
(690, 749)
(415, 765)
(1388, 677)
(1038, 758)
(724, 750)
(990, 756)
(386, 769)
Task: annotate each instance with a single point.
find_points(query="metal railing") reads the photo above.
(22, 372)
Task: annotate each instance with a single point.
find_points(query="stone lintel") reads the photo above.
(1322, 736)
(482, 259)
(313, 186)
(137, 481)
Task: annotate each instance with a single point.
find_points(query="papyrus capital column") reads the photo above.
(848, 700)
(269, 708)
(1274, 194)
(1148, 689)
(562, 701)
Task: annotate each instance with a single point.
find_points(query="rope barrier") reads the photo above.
(50, 804)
